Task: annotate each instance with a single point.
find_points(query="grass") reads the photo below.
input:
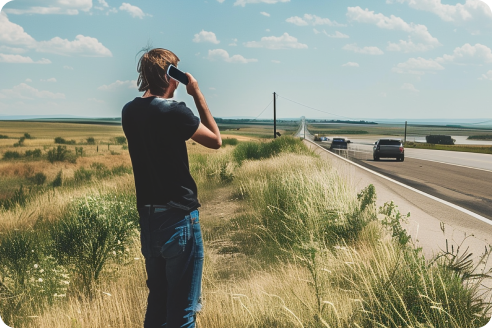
(463, 148)
(288, 244)
(481, 137)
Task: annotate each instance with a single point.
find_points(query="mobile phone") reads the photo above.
(177, 75)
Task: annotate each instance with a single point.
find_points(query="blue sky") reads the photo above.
(401, 59)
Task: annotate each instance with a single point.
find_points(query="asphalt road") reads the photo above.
(465, 187)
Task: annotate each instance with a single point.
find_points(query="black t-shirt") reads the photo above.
(156, 130)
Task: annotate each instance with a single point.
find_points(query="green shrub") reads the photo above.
(79, 151)
(2, 136)
(27, 136)
(39, 178)
(11, 155)
(61, 154)
(258, 150)
(58, 181)
(82, 174)
(227, 141)
(121, 169)
(36, 153)
(96, 232)
(60, 140)
(120, 140)
(20, 142)
(91, 141)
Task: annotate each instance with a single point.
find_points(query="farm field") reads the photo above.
(288, 243)
(397, 130)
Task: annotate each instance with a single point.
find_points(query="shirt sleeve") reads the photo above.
(186, 123)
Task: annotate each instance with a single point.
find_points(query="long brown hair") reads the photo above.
(152, 68)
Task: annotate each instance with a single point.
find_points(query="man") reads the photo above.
(157, 128)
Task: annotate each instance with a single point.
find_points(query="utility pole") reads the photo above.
(274, 116)
(405, 140)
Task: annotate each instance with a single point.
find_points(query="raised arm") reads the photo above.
(207, 133)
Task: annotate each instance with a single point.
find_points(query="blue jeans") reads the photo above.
(173, 249)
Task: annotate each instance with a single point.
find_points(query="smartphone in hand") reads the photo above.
(177, 75)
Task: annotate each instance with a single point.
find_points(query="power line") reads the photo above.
(319, 110)
(263, 110)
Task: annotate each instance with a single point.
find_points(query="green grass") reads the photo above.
(481, 137)
(462, 148)
(260, 150)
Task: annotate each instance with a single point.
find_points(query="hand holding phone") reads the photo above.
(177, 75)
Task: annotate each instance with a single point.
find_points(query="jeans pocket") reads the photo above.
(176, 244)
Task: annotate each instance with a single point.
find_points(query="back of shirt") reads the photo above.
(157, 130)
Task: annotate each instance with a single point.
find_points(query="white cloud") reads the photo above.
(103, 3)
(458, 13)
(63, 7)
(243, 3)
(366, 50)
(134, 11)
(351, 64)
(468, 54)
(316, 31)
(49, 80)
(13, 34)
(68, 67)
(297, 21)
(119, 85)
(211, 88)
(314, 20)
(486, 76)
(285, 41)
(18, 59)
(82, 45)
(28, 80)
(12, 50)
(221, 1)
(275, 61)
(416, 31)
(205, 36)
(24, 91)
(233, 44)
(224, 55)
(337, 35)
(265, 14)
(418, 66)
(409, 87)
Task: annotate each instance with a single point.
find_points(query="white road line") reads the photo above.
(468, 167)
(459, 208)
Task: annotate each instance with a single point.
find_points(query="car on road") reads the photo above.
(338, 143)
(388, 148)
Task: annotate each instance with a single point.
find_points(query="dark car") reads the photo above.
(388, 148)
(338, 143)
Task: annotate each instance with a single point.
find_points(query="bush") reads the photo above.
(256, 150)
(227, 141)
(61, 154)
(27, 136)
(33, 153)
(20, 142)
(60, 140)
(91, 141)
(440, 139)
(19, 198)
(2, 136)
(82, 175)
(102, 227)
(79, 151)
(11, 155)
(120, 140)
(39, 178)
(58, 181)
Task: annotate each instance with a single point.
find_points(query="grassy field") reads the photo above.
(392, 130)
(463, 148)
(288, 244)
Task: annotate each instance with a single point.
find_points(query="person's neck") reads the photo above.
(166, 94)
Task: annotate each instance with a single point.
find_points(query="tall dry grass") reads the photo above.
(301, 251)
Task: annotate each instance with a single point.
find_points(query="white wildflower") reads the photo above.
(35, 266)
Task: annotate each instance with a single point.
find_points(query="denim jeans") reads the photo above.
(173, 249)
